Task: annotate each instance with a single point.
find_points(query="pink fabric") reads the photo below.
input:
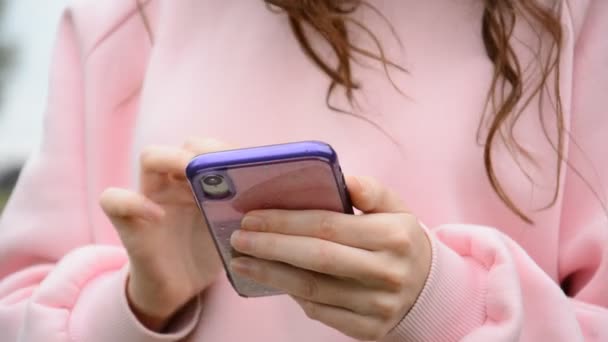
(231, 70)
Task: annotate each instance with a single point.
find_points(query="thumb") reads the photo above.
(369, 196)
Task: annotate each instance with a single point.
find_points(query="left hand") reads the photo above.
(359, 274)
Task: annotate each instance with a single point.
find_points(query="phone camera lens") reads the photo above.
(213, 180)
(215, 186)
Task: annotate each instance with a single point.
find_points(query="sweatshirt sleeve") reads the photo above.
(484, 287)
(56, 284)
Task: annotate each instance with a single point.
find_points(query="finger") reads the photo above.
(317, 287)
(125, 204)
(165, 160)
(372, 232)
(362, 328)
(205, 145)
(312, 254)
(369, 196)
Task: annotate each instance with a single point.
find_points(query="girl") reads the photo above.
(481, 120)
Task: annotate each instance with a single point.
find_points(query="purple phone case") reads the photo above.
(300, 175)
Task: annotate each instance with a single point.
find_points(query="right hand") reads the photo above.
(171, 253)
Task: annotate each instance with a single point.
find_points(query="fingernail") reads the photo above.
(240, 240)
(251, 222)
(242, 266)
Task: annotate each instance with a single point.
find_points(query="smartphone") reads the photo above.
(293, 176)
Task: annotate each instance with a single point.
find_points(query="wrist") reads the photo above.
(156, 310)
(153, 323)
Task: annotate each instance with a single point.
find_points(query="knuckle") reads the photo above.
(327, 227)
(385, 307)
(401, 239)
(324, 259)
(274, 220)
(394, 279)
(310, 286)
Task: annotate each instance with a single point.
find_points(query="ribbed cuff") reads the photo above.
(105, 315)
(452, 302)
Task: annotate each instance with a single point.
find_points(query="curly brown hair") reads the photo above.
(508, 95)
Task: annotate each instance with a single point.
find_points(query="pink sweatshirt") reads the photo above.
(232, 70)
